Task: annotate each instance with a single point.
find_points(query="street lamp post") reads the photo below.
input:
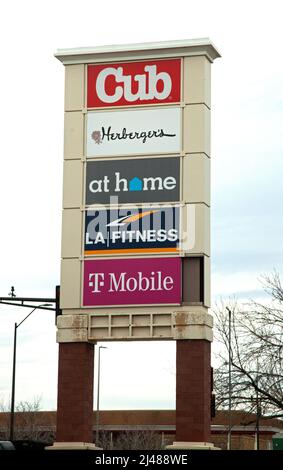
(258, 408)
(230, 382)
(98, 392)
(12, 413)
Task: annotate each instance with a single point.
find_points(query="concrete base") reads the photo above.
(192, 446)
(73, 446)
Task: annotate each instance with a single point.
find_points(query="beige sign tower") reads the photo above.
(136, 221)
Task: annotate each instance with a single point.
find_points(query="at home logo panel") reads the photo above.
(133, 181)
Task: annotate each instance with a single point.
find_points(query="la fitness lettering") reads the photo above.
(100, 136)
(130, 236)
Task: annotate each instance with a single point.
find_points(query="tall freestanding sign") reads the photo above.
(136, 228)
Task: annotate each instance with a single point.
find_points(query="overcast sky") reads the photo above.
(247, 227)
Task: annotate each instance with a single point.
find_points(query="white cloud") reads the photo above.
(137, 375)
(235, 283)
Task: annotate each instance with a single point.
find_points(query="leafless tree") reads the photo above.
(27, 422)
(5, 420)
(134, 439)
(256, 352)
(138, 440)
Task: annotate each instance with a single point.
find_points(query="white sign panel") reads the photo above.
(138, 131)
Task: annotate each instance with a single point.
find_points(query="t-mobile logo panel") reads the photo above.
(133, 181)
(141, 281)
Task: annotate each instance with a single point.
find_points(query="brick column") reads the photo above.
(193, 391)
(75, 392)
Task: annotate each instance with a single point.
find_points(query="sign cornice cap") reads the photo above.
(198, 46)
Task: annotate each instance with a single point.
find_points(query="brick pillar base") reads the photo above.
(75, 392)
(193, 391)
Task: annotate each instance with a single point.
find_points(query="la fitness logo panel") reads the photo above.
(140, 281)
(133, 181)
(132, 231)
(134, 131)
(134, 83)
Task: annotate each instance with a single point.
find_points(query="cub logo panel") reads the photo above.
(133, 83)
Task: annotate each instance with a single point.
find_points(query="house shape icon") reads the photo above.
(135, 184)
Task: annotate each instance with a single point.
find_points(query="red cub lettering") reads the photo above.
(133, 83)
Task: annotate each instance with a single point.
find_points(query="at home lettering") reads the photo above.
(135, 184)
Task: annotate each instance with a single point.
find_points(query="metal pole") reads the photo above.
(257, 412)
(98, 393)
(12, 414)
(257, 422)
(97, 403)
(230, 383)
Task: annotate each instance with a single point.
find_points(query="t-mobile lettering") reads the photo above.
(124, 283)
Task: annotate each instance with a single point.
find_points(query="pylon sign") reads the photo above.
(136, 203)
(136, 220)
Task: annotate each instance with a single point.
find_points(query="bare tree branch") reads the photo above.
(256, 351)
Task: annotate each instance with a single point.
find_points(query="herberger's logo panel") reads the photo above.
(134, 83)
(141, 281)
(134, 131)
(140, 180)
(137, 230)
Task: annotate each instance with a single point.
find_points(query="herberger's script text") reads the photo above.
(99, 136)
